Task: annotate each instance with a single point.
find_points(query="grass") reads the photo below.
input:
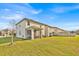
(8, 39)
(50, 46)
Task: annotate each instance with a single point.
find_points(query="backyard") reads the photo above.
(50, 46)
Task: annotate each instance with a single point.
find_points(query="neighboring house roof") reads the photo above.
(5, 30)
(8, 30)
(26, 19)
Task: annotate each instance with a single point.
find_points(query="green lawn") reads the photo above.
(8, 39)
(50, 46)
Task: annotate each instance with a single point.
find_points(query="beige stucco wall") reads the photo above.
(34, 24)
(58, 30)
(38, 25)
(50, 30)
(43, 30)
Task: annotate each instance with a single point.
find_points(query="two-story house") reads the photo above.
(30, 29)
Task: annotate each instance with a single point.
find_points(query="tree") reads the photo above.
(12, 25)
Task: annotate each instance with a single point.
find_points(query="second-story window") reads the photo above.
(28, 23)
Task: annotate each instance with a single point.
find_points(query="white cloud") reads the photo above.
(33, 10)
(22, 9)
(36, 12)
(15, 17)
(64, 9)
(59, 9)
(29, 9)
(7, 9)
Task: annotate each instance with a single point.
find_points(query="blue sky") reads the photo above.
(62, 15)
